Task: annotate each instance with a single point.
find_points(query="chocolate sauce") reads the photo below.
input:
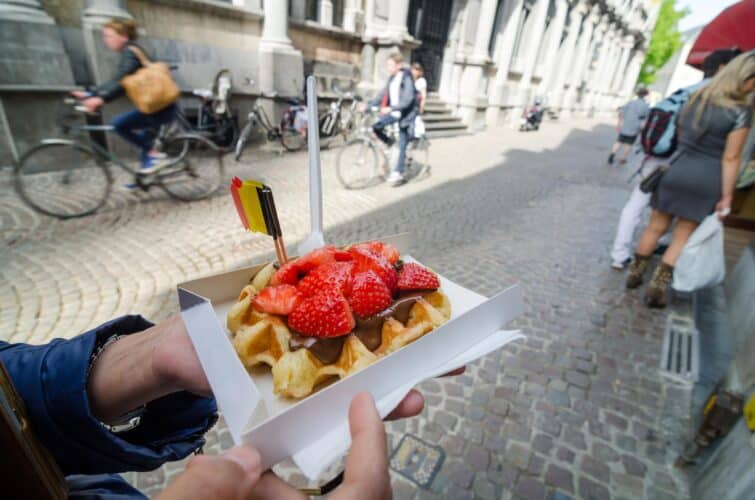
(369, 330)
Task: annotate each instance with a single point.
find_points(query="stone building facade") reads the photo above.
(485, 59)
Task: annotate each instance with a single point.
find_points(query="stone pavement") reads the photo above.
(577, 410)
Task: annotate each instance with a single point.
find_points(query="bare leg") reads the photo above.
(659, 224)
(615, 147)
(682, 231)
(625, 154)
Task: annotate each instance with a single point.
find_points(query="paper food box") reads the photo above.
(314, 431)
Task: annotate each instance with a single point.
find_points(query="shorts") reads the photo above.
(627, 139)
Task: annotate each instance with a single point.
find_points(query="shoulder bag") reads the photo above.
(150, 88)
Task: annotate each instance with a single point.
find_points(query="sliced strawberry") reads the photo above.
(317, 257)
(326, 314)
(334, 275)
(415, 277)
(387, 250)
(369, 295)
(281, 299)
(367, 260)
(288, 274)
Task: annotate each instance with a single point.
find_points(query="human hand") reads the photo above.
(362, 107)
(366, 473)
(723, 207)
(92, 103)
(230, 475)
(385, 110)
(80, 94)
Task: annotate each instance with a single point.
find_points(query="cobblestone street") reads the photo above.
(578, 410)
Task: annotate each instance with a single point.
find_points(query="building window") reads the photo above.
(312, 10)
(496, 28)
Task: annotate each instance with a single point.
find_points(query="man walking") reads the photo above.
(398, 104)
(631, 117)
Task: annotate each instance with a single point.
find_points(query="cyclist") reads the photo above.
(134, 126)
(398, 104)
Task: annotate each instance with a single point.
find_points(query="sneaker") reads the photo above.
(152, 163)
(620, 266)
(610, 159)
(394, 178)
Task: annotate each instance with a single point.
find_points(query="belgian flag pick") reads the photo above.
(256, 209)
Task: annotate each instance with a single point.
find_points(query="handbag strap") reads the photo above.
(139, 53)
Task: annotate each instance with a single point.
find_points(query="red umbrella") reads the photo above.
(732, 28)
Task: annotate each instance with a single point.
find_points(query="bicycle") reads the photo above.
(337, 122)
(71, 177)
(358, 164)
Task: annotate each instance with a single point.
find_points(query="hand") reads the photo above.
(385, 110)
(362, 107)
(80, 94)
(366, 473)
(230, 475)
(723, 207)
(93, 103)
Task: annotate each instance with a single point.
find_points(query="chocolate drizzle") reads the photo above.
(369, 330)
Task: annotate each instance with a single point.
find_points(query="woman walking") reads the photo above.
(134, 126)
(712, 131)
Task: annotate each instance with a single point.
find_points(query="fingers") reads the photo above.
(366, 475)
(270, 486)
(231, 475)
(410, 406)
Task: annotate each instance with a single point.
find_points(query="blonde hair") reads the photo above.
(124, 27)
(725, 89)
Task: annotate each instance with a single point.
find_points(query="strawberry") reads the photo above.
(415, 277)
(288, 274)
(334, 275)
(317, 257)
(367, 260)
(281, 299)
(369, 295)
(326, 314)
(387, 250)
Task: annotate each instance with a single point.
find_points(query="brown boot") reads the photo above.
(655, 295)
(637, 270)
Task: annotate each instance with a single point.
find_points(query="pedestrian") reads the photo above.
(631, 214)
(398, 105)
(420, 84)
(631, 117)
(713, 129)
(119, 35)
(130, 396)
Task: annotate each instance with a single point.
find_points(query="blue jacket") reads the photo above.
(52, 378)
(408, 104)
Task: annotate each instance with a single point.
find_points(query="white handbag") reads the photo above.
(701, 263)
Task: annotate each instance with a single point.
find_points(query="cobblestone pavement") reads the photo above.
(577, 410)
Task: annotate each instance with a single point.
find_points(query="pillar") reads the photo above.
(281, 70)
(534, 37)
(325, 16)
(469, 98)
(351, 13)
(98, 12)
(503, 63)
(594, 76)
(583, 47)
(566, 55)
(633, 71)
(555, 29)
(619, 74)
(25, 11)
(399, 11)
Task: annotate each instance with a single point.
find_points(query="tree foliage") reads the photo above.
(664, 42)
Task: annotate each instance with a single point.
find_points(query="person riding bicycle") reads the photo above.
(134, 126)
(398, 104)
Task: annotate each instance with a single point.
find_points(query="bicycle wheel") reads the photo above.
(63, 179)
(194, 175)
(291, 139)
(246, 133)
(357, 164)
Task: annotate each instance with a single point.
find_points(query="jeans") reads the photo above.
(403, 138)
(140, 129)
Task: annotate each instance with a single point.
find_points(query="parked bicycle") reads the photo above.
(338, 121)
(71, 176)
(285, 132)
(365, 161)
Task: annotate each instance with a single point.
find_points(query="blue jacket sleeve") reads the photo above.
(52, 378)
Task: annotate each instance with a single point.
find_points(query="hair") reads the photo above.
(417, 66)
(396, 57)
(642, 92)
(716, 59)
(124, 27)
(725, 89)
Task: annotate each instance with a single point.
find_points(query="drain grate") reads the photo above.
(680, 359)
(417, 460)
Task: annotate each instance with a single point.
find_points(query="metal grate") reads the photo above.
(680, 359)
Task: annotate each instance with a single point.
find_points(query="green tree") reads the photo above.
(664, 42)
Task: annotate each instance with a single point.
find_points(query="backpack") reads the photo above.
(658, 135)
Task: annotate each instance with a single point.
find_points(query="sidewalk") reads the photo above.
(578, 410)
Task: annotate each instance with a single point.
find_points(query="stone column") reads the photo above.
(351, 13)
(98, 12)
(619, 74)
(580, 61)
(633, 71)
(25, 11)
(503, 62)
(399, 11)
(469, 98)
(594, 76)
(281, 70)
(326, 13)
(531, 44)
(555, 29)
(567, 55)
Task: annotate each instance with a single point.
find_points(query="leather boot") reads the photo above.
(655, 295)
(637, 270)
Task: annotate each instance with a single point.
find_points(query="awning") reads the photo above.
(732, 28)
